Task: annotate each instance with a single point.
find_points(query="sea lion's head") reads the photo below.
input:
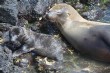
(58, 13)
(16, 33)
(13, 38)
(16, 36)
(20, 35)
(62, 12)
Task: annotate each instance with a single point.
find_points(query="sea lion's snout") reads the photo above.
(46, 16)
(52, 16)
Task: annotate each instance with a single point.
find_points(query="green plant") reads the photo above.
(71, 1)
(104, 1)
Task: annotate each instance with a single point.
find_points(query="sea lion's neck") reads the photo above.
(66, 22)
(75, 16)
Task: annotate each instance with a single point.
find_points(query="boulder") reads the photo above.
(8, 11)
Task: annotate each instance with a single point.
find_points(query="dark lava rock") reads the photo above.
(84, 1)
(6, 17)
(2, 1)
(4, 27)
(12, 10)
(40, 6)
(33, 9)
(25, 6)
(7, 65)
(8, 11)
(6, 61)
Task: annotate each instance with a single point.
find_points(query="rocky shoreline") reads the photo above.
(29, 15)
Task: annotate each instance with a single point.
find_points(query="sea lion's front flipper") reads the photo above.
(105, 36)
(21, 51)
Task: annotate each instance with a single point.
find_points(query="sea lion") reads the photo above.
(36, 43)
(88, 37)
(29, 40)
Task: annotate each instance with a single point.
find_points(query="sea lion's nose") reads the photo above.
(47, 15)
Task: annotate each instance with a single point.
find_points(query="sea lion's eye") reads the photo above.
(59, 12)
(68, 14)
(16, 31)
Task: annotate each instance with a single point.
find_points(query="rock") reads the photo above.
(25, 60)
(39, 6)
(30, 69)
(49, 28)
(5, 26)
(8, 11)
(6, 60)
(32, 9)
(84, 1)
(36, 27)
(25, 6)
(42, 5)
(2, 1)
(22, 22)
(106, 17)
(6, 63)
(88, 2)
(94, 13)
(79, 5)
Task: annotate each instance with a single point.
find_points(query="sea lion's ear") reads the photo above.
(64, 10)
(61, 11)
